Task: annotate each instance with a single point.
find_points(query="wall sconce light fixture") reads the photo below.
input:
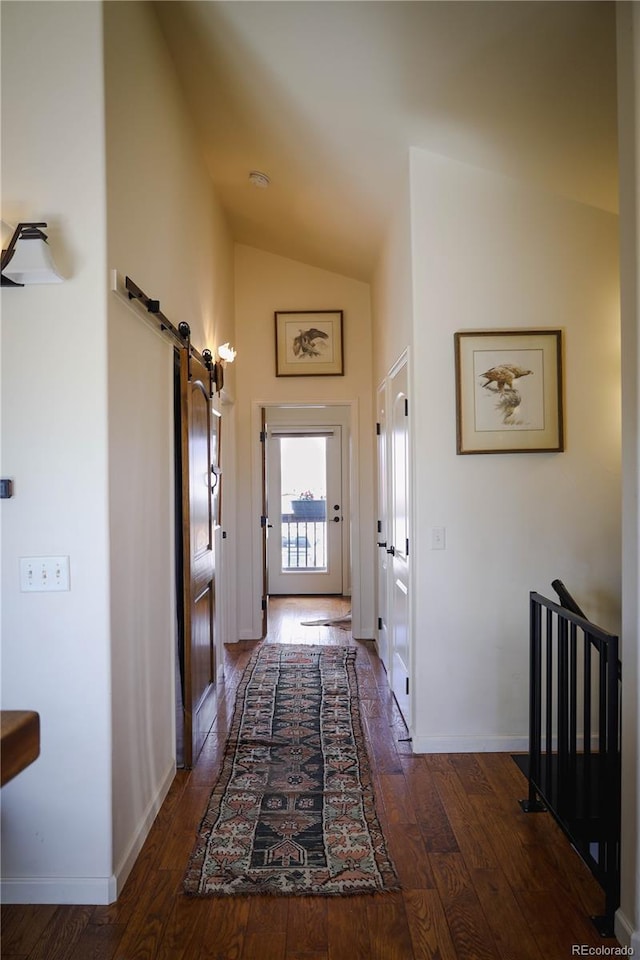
(27, 259)
(226, 352)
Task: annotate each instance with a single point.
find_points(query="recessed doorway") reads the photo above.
(304, 476)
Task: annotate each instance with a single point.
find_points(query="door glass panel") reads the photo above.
(306, 516)
(303, 473)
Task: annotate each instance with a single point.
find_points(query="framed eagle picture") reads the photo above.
(309, 343)
(509, 391)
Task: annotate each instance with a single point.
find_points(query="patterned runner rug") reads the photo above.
(293, 809)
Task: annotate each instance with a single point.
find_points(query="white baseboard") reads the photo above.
(470, 744)
(142, 831)
(625, 933)
(77, 890)
(87, 890)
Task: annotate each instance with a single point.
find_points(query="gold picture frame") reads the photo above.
(309, 343)
(509, 391)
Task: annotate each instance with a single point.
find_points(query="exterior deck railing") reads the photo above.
(304, 543)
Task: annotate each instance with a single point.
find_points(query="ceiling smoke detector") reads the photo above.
(259, 179)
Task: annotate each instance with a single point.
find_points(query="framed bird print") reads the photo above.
(309, 343)
(509, 391)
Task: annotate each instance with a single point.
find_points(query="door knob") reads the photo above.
(336, 519)
(336, 506)
(391, 550)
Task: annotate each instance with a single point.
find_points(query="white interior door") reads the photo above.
(399, 537)
(306, 512)
(382, 526)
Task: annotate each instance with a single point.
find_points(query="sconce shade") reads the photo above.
(27, 259)
(226, 352)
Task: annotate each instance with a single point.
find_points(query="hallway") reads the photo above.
(480, 879)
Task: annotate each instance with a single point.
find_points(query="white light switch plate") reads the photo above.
(438, 538)
(44, 574)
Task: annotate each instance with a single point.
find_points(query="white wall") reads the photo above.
(56, 815)
(167, 232)
(628, 918)
(87, 431)
(266, 283)
(391, 289)
(490, 253)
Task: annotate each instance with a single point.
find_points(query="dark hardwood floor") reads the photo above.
(481, 880)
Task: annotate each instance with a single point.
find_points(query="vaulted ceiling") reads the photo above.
(327, 97)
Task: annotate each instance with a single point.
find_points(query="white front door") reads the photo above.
(306, 513)
(399, 537)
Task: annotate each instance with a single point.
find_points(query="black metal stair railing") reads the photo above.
(574, 736)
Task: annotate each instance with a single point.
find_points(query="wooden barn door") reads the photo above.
(199, 431)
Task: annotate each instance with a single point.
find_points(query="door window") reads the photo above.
(304, 483)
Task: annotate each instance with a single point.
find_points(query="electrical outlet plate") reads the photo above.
(44, 574)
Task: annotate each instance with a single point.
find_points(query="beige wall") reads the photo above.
(167, 232)
(628, 918)
(489, 252)
(56, 816)
(88, 436)
(391, 288)
(266, 283)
